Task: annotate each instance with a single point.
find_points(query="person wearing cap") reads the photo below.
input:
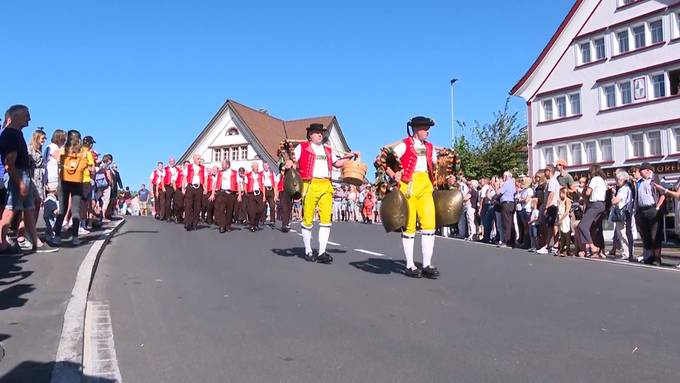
(315, 161)
(563, 177)
(418, 159)
(649, 199)
(85, 207)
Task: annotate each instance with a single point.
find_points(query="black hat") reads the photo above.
(315, 127)
(421, 121)
(646, 165)
(89, 140)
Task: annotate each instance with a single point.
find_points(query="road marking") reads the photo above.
(99, 360)
(70, 351)
(333, 243)
(369, 252)
(293, 230)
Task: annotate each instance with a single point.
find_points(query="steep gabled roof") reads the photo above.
(265, 132)
(548, 47)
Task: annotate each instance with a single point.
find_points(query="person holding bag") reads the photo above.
(621, 215)
(73, 165)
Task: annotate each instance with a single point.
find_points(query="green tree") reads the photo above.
(497, 146)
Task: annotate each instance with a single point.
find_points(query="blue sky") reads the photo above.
(144, 77)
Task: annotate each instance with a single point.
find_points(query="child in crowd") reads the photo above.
(534, 224)
(50, 210)
(564, 219)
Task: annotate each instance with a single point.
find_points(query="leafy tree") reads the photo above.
(496, 147)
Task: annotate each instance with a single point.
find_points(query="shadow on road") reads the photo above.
(135, 232)
(10, 274)
(30, 371)
(292, 252)
(380, 266)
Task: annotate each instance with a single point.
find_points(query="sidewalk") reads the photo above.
(34, 291)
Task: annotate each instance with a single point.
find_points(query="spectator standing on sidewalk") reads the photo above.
(524, 211)
(471, 209)
(596, 193)
(73, 164)
(37, 164)
(507, 198)
(143, 195)
(549, 210)
(648, 204)
(17, 179)
(621, 215)
(85, 205)
(564, 212)
(52, 156)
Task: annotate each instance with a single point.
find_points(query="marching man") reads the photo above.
(156, 185)
(271, 192)
(418, 160)
(225, 194)
(255, 197)
(194, 189)
(315, 162)
(172, 175)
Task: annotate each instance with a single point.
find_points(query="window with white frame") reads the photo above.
(637, 144)
(606, 153)
(547, 110)
(562, 152)
(244, 152)
(659, 85)
(676, 134)
(676, 25)
(585, 52)
(591, 151)
(575, 103)
(232, 132)
(654, 143)
(217, 154)
(609, 96)
(576, 157)
(548, 156)
(622, 41)
(639, 36)
(674, 81)
(626, 2)
(625, 92)
(656, 30)
(233, 153)
(599, 48)
(561, 106)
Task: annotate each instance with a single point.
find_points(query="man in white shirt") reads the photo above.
(226, 193)
(315, 162)
(550, 209)
(271, 193)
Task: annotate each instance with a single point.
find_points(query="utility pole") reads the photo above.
(453, 115)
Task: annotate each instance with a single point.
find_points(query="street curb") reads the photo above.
(68, 361)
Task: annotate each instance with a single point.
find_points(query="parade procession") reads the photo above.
(414, 184)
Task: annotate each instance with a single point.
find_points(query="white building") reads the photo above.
(605, 88)
(245, 135)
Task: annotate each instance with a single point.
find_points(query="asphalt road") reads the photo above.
(244, 307)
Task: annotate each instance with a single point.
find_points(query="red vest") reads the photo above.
(178, 181)
(190, 174)
(234, 182)
(308, 158)
(271, 179)
(167, 178)
(250, 185)
(279, 186)
(410, 157)
(210, 182)
(154, 178)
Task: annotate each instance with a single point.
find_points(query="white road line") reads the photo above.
(333, 243)
(70, 350)
(99, 360)
(293, 230)
(369, 252)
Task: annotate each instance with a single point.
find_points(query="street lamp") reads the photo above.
(453, 116)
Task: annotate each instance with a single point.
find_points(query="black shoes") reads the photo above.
(413, 273)
(311, 257)
(253, 229)
(430, 272)
(222, 230)
(285, 229)
(324, 258)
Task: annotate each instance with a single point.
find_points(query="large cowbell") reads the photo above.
(448, 205)
(292, 183)
(394, 211)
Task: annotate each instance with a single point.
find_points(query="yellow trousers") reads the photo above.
(420, 203)
(317, 192)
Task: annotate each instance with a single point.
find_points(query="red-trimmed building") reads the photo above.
(605, 90)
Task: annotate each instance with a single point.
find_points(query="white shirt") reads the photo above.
(159, 176)
(52, 164)
(320, 163)
(554, 187)
(226, 180)
(599, 189)
(266, 179)
(173, 174)
(196, 179)
(256, 185)
(419, 146)
(625, 197)
(523, 196)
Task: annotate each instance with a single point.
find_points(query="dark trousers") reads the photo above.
(207, 209)
(167, 202)
(269, 199)
(224, 208)
(255, 209)
(160, 206)
(565, 242)
(592, 216)
(192, 206)
(487, 219)
(74, 192)
(178, 203)
(651, 228)
(524, 232)
(286, 208)
(507, 212)
(156, 201)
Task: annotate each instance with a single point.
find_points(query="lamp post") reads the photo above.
(453, 116)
